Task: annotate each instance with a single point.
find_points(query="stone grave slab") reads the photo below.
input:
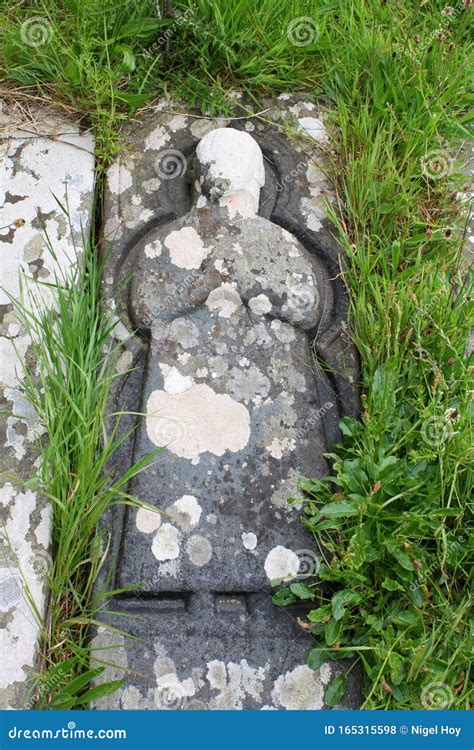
(225, 280)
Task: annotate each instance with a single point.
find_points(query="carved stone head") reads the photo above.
(230, 161)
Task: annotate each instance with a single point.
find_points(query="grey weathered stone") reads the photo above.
(227, 298)
(42, 158)
(230, 306)
(214, 652)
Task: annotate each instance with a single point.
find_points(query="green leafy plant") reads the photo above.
(393, 522)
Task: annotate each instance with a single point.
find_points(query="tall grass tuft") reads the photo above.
(86, 56)
(393, 524)
(69, 377)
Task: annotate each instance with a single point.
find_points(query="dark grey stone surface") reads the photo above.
(216, 652)
(237, 399)
(230, 309)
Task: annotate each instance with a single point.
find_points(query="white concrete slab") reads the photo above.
(42, 158)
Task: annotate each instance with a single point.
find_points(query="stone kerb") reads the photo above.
(43, 159)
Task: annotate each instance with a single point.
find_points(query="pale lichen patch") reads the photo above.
(157, 139)
(281, 446)
(281, 564)
(249, 540)
(299, 690)
(225, 300)
(165, 544)
(216, 674)
(260, 305)
(203, 420)
(148, 521)
(314, 127)
(174, 381)
(153, 249)
(199, 550)
(186, 512)
(236, 682)
(186, 248)
(119, 179)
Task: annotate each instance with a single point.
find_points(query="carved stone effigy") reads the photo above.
(223, 305)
